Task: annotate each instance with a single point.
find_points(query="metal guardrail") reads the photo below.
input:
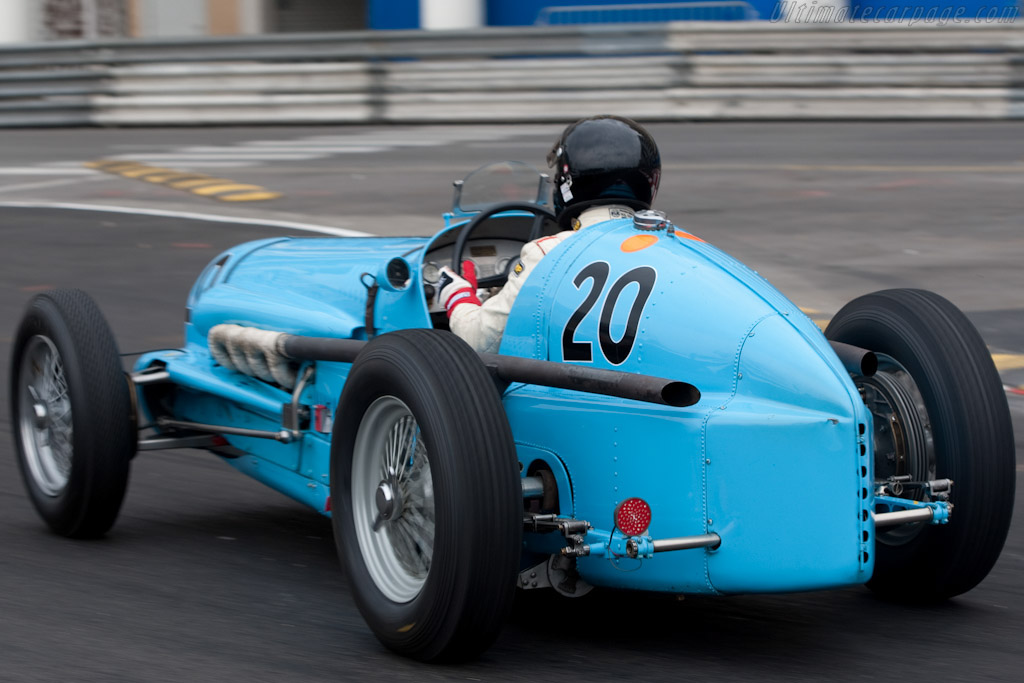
(727, 70)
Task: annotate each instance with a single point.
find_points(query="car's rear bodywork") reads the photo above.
(772, 458)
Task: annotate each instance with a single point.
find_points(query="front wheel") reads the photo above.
(939, 412)
(71, 413)
(428, 511)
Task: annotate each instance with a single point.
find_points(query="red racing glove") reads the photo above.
(455, 290)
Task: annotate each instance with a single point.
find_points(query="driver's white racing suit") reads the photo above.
(481, 325)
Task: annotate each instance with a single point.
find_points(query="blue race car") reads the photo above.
(659, 418)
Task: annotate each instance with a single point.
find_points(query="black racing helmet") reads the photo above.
(604, 160)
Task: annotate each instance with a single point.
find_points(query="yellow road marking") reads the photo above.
(198, 183)
(138, 172)
(101, 163)
(112, 166)
(224, 187)
(248, 196)
(173, 175)
(1008, 361)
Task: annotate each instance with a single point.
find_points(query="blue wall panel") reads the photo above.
(405, 14)
(393, 14)
(525, 12)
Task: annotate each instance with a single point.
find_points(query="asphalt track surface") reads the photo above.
(209, 576)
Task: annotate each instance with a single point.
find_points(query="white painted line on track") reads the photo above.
(348, 149)
(239, 151)
(274, 152)
(36, 170)
(315, 143)
(195, 163)
(512, 144)
(61, 164)
(51, 183)
(189, 215)
(219, 156)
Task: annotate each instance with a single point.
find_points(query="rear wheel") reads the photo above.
(428, 512)
(939, 412)
(71, 411)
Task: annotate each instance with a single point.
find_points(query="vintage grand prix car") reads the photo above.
(659, 418)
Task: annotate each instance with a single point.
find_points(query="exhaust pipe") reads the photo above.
(509, 369)
(591, 380)
(855, 359)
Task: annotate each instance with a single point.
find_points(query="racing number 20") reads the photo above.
(614, 351)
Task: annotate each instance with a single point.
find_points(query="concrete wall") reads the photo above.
(18, 21)
(442, 14)
(304, 16)
(180, 18)
(245, 17)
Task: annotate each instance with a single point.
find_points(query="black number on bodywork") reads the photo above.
(616, 352)
(572, 349)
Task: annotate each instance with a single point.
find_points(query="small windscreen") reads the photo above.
(506, 181)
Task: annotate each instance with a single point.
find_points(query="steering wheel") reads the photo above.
(540, 213)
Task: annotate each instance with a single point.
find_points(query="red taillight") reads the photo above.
(633, 516)
(322, 419)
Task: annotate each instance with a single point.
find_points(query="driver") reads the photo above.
(606, 167)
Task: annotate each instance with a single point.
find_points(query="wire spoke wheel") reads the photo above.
(44, 416)
(72, 413)
(428, 506)
(393, 499)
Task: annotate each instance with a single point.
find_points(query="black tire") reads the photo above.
(966, 415)
(454, 608)
(76, 483)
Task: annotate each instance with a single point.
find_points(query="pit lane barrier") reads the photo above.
(669, 71)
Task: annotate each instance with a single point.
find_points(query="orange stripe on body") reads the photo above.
(687, 236)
